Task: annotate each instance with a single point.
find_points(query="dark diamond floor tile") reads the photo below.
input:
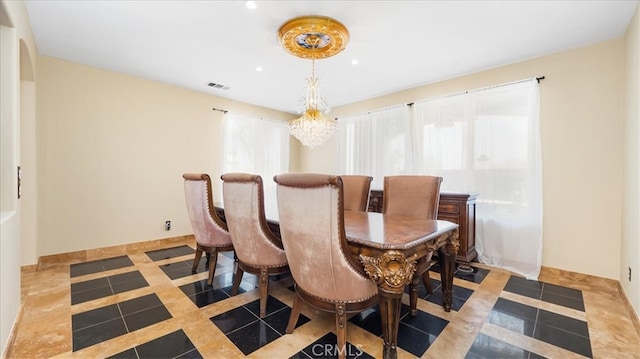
(226, 280)
(511, 322)
(92, 294)
(563, 291)
(300, 355)
(80, 269)
(516, 309)
(369, 320)
(140, 303)
(116, 262)
(280, 319)
(326, 347)
(193, 354)
(526, 291)
(558, 337)
(98, 333)
(125, 277)
(577, 304)
(457, 302)
(568, 324)
(234, 319)
(172, 345)
(127, 354)
(413, 340)
(485, 346)
(182, 251)
(130, 285)
(182, 269)
(536, 356)
(195, 287)
(524, 282)
(167, 253)
(425, 322)
(210, 296)
(253, 336)
(89, 285)
(146, 318)
(273, 305)
(93, 317)
(477, 275)
(244, 287)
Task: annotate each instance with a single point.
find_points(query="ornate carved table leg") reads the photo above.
(391, 272)
(447, 259)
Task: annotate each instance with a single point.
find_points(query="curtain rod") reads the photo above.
(539, 78)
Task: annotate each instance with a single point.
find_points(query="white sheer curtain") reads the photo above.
(255, 145)
(488, 141)
(375, 144)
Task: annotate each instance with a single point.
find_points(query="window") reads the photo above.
(258, 146)
(375, 144)
(487, 141)
(484, 141)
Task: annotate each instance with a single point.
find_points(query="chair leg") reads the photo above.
(341, 328)
(212, 266)
(237, 278)
(426, 280)
(196, 260)
(264, 291)
(295, 313)
(413, 295)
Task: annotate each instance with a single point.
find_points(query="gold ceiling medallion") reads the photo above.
(313, 37)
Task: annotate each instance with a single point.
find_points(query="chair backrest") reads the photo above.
(253, 241)
(356, 192)
(311, 215)
(412, 196)
(208, 228)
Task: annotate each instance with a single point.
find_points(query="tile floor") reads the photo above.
(147, 304)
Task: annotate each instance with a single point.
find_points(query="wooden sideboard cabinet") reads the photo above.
(458, 208)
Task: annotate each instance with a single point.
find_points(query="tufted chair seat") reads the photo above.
(210, 231)
(258, 250)
(326, 274)
(416, 197)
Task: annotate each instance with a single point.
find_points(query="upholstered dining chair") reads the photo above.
(326, 275)
(416, 197)
(258, 250)
(356, 192)
(210, 231)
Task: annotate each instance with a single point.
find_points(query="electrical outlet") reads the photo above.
(167, 225)
(629, 274)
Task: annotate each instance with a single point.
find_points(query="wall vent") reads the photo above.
(218, 86)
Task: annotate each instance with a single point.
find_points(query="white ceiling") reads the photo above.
(399, 44)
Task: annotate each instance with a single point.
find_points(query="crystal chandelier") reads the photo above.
(312, 128)
(313, 37)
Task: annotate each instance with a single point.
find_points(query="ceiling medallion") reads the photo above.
(313, 37)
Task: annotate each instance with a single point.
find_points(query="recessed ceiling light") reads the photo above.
(259, 68)
(354, 62)
(250, 5)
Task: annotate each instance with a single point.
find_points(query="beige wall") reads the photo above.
(18, 103)
(582, 136)
(116, 149)
(631, 190)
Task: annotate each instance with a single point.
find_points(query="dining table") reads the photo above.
(390, 247)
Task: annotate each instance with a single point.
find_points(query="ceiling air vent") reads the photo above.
(218, 86)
